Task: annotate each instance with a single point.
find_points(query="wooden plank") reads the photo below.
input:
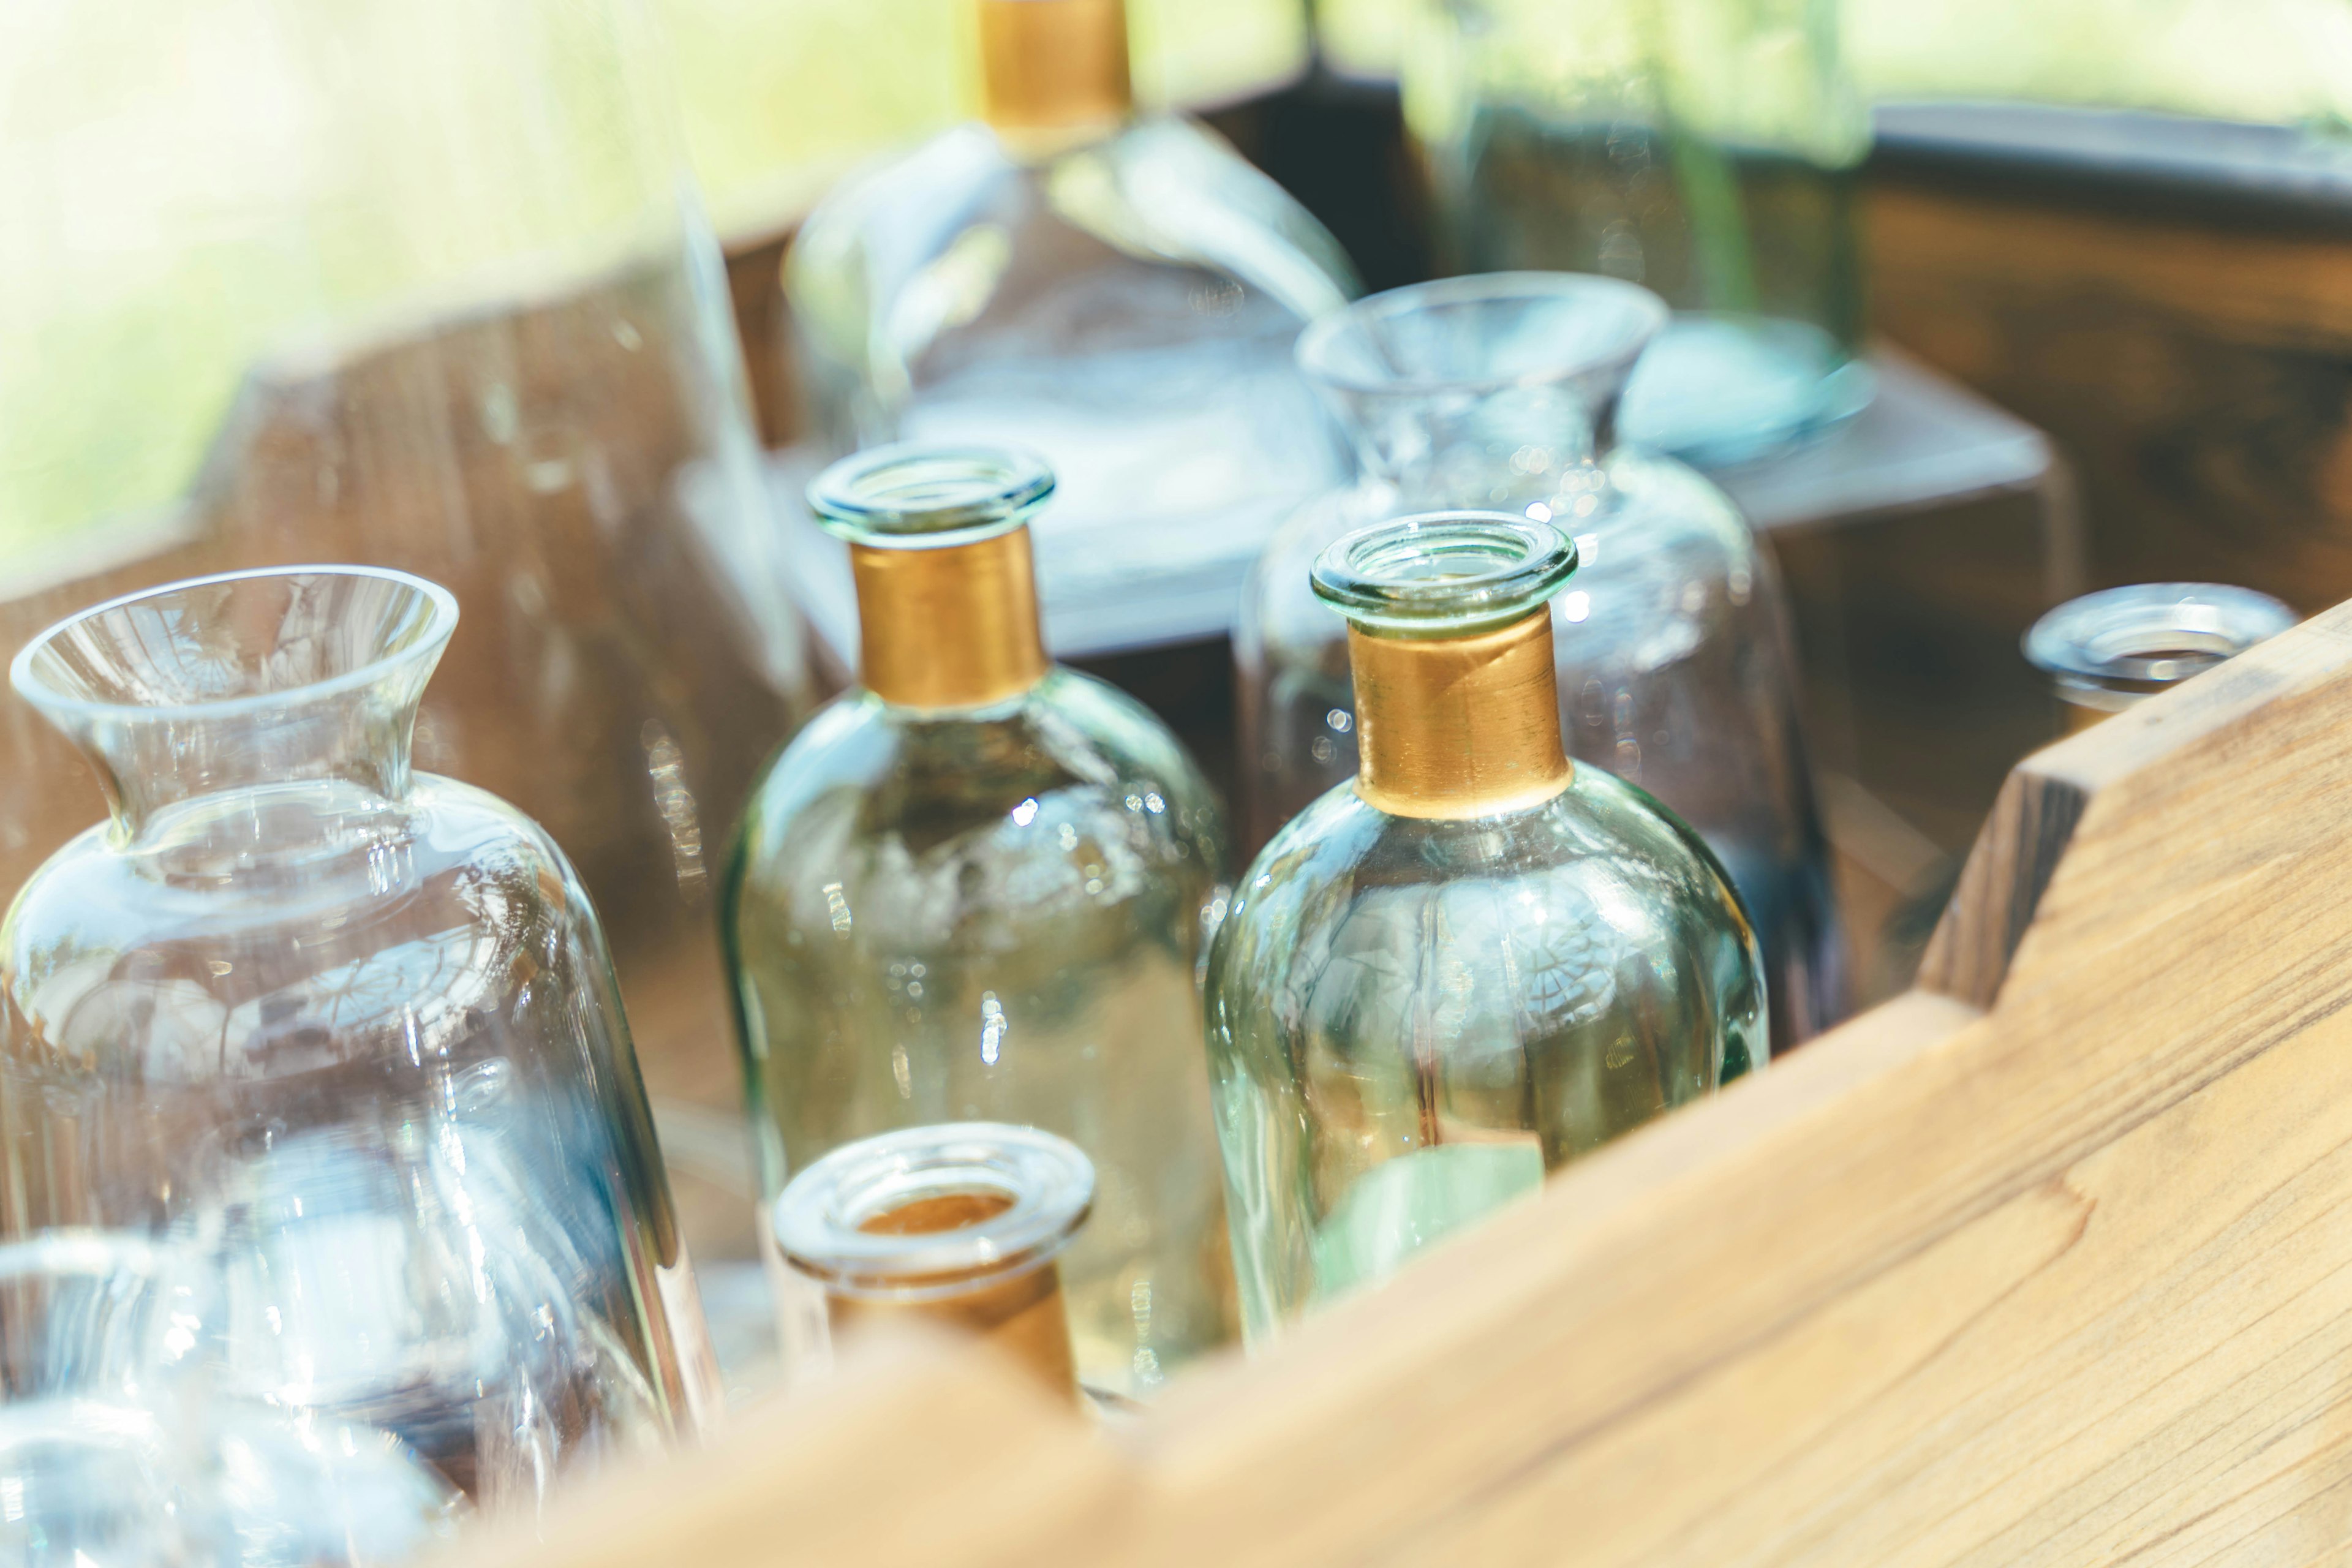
(2066, 1280)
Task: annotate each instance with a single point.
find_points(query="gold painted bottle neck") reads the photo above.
(1459, 727)
(949, 626)
(1053, 67)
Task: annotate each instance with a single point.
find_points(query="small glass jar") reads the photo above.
(1709, 151)
(351, 1027)
(1473, 962)
(1677, 670)
(2106, 651)
(1118, 293)
(959, 1223)
(976, 888)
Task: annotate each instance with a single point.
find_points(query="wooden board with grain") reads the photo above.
(2046, 1262)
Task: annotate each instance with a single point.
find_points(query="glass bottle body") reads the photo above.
(1708, 152)
(1124, 303)
(997, 914)
(351, 1030)
(1676, 666)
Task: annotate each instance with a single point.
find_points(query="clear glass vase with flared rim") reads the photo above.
(1676, 667)
(354, 1023)
(2113, 649)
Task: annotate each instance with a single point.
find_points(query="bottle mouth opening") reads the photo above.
(215, 646)
(1445, 573)
(929, 1212)
(1485, 332)
(2152, 634)
(917, 495)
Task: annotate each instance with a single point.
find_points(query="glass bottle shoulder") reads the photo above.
(868, 789)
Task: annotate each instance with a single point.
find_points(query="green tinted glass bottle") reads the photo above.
(1474, 961)
(975, 888)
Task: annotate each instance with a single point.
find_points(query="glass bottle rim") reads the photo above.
(424, 639)
(924, 495)
(1642, 316)
(1444, 573)
(2155, 632)
(1047, 1182)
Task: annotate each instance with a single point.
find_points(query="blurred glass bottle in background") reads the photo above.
(1475, 962)
(1118, 293)
(976, 888)
(958, 1224)
(2110, 650)
(1675, 670)
(1708, 150)
(346, 1027)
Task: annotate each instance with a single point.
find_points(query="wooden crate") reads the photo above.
(2047, 1261)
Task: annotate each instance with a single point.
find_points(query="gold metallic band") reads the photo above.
(954, 626)
(1459, 727)
(1022, 1316)
(1052, 64)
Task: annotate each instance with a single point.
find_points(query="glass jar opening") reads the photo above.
(1448, 573)
(919, 495)
(930, 1211)
(211, 648)
(2151, 635)
(1482, 333)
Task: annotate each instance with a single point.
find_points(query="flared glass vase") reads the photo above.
(1676, 668)
(976, 889)
(1708, 150)
(1118, 293)
(1473, 962)
(424, 285)
(349, 1029)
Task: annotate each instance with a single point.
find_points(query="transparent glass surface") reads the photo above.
(351, 1029)
(1412, 1020)
(1124, 305)
(424, 285)
(2105, 651)
(117, 1447)
(997, 914)
(1675, 666)
(1708, 150)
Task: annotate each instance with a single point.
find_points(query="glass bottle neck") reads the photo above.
(1459, 727)
(1052, 68)
(949, 626)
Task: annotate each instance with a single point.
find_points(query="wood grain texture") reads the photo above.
(2064, 1279)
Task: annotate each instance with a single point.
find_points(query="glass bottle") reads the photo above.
(349, 1026)
(2107, 651)
(1119, 293)
(1708, 149)
(422, 286)
(1676, 665)
(1475, 962)
(959, 1223)
(976, 888)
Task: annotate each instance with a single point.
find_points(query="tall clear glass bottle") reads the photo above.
(1675, 666)
(348, 1026)
(2111, 650)
(1472, 964)
(976, 888)
(1708, 149)
(1119, 293)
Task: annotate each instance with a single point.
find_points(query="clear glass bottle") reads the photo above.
(2106, 651)
(961, 1223)
(1472, 963)
(1118, 293)
(1708, 149)
(976, 889)
(1676, 666)
(349, 1026)
(427, 287)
